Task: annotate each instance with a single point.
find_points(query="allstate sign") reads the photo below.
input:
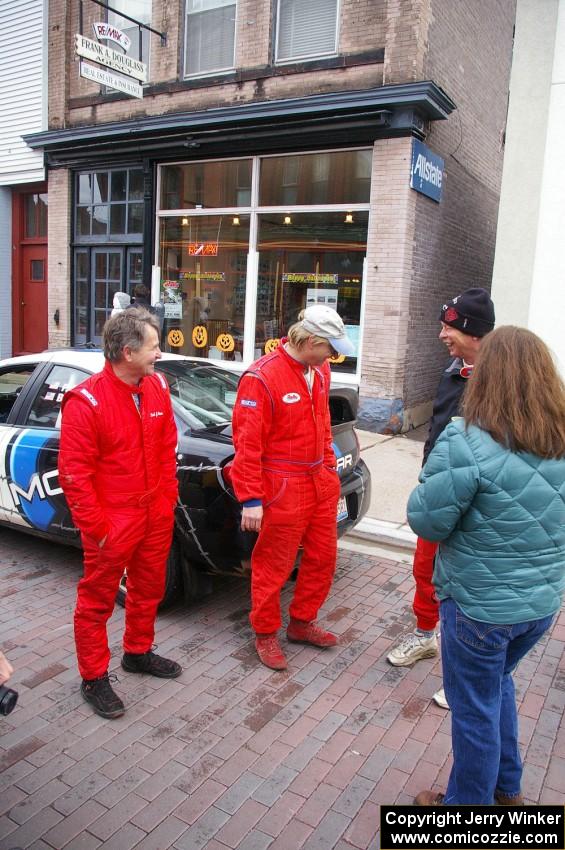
(426, 172)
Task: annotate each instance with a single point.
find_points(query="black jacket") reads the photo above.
(141, 302)
(446, 404)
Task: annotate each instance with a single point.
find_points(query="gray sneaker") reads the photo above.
(411, 649)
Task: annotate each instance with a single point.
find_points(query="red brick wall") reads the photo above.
(406, 30)
(469, 55)
(389, 270)
(362, 27)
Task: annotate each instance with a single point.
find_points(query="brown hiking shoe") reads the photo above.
(270, 652)
(428, 798)
(311, 633)
(503, 800)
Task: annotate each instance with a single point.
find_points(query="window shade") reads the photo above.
(306, 28)
(210, 40)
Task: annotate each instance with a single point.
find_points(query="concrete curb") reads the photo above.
(385, 533)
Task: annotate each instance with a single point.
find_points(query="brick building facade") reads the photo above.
(395, 71)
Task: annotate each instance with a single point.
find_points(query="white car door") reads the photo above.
(32, 496)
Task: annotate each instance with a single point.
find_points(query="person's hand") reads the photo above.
(6, 669)
(251, 518)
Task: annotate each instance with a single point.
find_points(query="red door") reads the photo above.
(29, 269)
(33, 305)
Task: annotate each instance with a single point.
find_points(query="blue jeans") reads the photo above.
(478, 659)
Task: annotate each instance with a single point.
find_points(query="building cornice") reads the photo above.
(342, 117)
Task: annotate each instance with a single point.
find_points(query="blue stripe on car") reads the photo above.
(23, 466)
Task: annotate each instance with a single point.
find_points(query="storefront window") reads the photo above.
(338, 177)
(296, 237)
(201, 185)
(203, 261)
(107, 281)
(315, 258)
(108, 256)
(109, 205)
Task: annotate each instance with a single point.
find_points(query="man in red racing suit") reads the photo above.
(284, 474)
(117, 468)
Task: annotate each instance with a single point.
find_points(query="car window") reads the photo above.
(12, 380)
(46, 408)
(206, 395)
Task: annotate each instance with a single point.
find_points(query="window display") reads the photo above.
(203, 262)
(246, 244)
(316, 258)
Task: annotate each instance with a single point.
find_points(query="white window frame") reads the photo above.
(312, 56)
(254, 210)
(225, 69)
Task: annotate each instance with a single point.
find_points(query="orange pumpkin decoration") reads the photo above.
(339, 358)
(271, 344)
(225, 342)
(175, 338)
(199, 336)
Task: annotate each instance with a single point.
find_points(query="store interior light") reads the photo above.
(349, 218)
(184, 222)
(235, 220)
(287, 219)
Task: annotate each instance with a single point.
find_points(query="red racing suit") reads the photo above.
(117, 468)
(285, 461)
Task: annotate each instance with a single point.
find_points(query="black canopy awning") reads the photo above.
(332, 119)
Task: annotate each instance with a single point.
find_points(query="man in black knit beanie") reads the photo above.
(465, 320)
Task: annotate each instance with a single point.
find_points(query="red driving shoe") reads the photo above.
(300, 631)
(270, 652)
(428, 798)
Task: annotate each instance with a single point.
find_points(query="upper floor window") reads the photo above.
(306, 29)
(109, 205)
(210, 36)
(141, 11)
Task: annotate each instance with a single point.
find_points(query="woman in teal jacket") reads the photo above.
(493, 493)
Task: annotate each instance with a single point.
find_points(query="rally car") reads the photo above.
(207, 539)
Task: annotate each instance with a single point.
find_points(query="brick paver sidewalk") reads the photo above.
(232, 755)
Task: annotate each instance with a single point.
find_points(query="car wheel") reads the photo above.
(196, 584)
(173, 580)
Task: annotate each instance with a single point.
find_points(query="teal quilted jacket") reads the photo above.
(500, 517)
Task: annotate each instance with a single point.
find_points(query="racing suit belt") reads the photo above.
(139, 499)
(291, 467)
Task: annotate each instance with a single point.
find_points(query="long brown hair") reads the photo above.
(516, 393)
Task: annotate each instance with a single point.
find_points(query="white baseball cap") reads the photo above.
(324, 322)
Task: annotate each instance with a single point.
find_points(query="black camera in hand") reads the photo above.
(8, 700)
